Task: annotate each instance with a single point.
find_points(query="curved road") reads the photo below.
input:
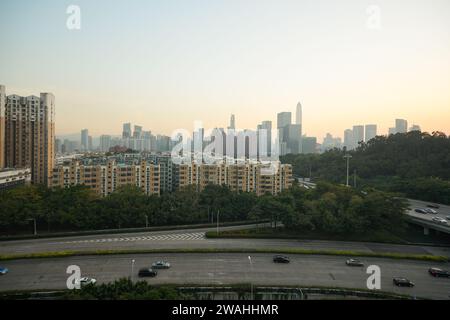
(194, 238)
(225, 268)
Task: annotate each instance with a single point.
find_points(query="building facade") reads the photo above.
(105, 179)
(240, 177)
(2, 126)
(30, 135)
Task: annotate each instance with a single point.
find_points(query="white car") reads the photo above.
(439, 220)
(428, 210)
(85, 281)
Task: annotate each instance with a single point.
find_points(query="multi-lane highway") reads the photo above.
(195, 239)
(230, 268)
(426, 220)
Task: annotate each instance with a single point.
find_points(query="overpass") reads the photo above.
(421, 219)
(426, 220)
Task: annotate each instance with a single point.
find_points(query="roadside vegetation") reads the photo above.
(329, 208)
(415, 165)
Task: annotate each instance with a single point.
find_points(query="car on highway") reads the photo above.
(147, 272)
(420, 211)
(436, 272)
(403, 282)
(428, 210)
(439, 220)
(434, 206)
(85, 281)
(447, 217)
(281, 259)
(161, 265)
(3, 271)
(354, 263)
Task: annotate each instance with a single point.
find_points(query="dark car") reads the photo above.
(354, 263)
(434, 206)
(147, 272)
(403, 282)
(420, 211)
(281, 259)
(436, 272)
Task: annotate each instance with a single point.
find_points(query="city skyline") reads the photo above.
(343, 71)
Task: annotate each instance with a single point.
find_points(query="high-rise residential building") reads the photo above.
(415, 127)
(299, 114)
(137, 134)
(90, 144)
(126, 132)
(371, 132)
(401, 126)
(264, 131)
(348, 139)
(358, 135)
(2, 125)
(58, 145)
(85, 139)
(30, 135)
(105, 143)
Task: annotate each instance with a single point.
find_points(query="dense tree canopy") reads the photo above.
(415, 164)
(331, 208)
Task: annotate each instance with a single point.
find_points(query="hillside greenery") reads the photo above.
(415, 164)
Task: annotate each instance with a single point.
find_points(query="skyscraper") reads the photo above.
(415, 127)
(401, 126)
(348, 139)
(299, 116)
(126, 132)
(105, 143)
(85, 139)
(30, 135)
(358, 135)
(2, 125)
(371, 132)
(284, 119)
(265, 148)
(232, 123)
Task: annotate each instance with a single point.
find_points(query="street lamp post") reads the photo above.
(251, 282)
(146, 221)
(132, 269)
(218, 214)
(347, 156)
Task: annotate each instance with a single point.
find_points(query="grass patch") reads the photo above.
(346, 253)
(411, 234)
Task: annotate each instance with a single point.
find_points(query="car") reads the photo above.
(3, 271)
(281, 259)
(436, 272)
(403, 282)
(434, 206)
(86, 281)
(428, 210)
(439, 220)
(354, 263)
(447, 217)
(147, 272)
(161, 265)
(420, 211)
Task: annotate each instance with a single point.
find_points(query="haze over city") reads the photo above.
(165, 64)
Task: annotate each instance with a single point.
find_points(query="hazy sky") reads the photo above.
(165, 64)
